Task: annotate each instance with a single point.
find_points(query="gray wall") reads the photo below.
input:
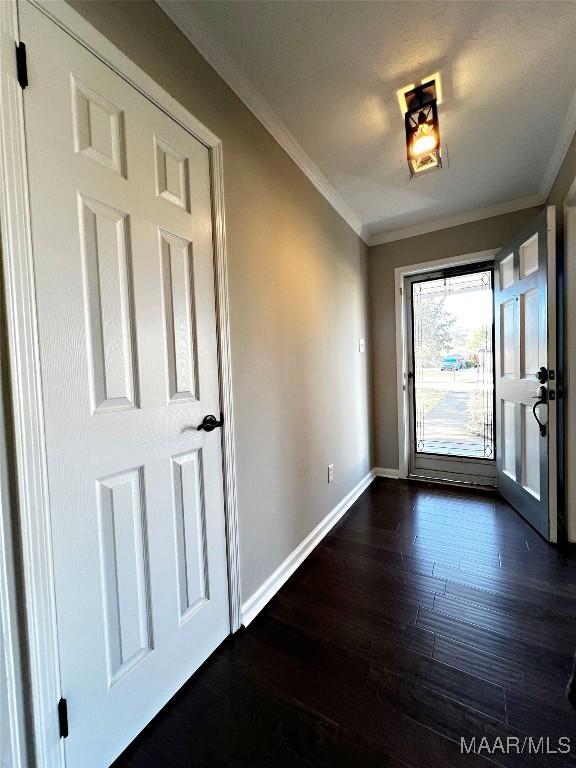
(563, 181)
(566, 370)
(298, 304)
(382, 260)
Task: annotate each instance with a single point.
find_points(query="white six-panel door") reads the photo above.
(525, 325)
(122, 243)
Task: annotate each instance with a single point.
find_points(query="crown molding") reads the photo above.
(192, 26)
(454, 221)
(560, 149)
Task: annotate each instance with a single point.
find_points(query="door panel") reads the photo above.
(108, 291)
(508, 323)
(506, 271)
(530, 452)
(529, 334)
(508, 447)
(124, 567)
(525, 344)
(190, 522)
(179, 301)
(122, 241)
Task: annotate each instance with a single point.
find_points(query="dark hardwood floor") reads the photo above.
(429, 614)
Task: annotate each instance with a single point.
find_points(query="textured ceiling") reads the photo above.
(329, 72)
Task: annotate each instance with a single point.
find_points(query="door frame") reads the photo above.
(42, 656)
(402, 367)
(10, 630)
(569, 213)
(460, 470)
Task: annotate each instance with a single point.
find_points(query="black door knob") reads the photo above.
(210, 422)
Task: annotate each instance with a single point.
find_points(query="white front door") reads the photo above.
(525, 311)
(122, 242)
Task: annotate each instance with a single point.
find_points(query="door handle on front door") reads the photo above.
(209, 423)
(541, 399)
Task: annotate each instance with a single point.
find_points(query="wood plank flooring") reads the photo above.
(428, 615)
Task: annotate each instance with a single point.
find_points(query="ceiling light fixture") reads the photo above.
(422, 130)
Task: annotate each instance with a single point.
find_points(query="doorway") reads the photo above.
(450, 347)
(119, 352)
(521, 432)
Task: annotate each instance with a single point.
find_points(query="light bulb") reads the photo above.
(423, 144)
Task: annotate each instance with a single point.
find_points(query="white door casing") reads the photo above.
(525, 312)
(125, 329)
(569, 215)
(427, 465)
(402, 346)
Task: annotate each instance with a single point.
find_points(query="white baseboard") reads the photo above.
(384, 472)
(252, 607)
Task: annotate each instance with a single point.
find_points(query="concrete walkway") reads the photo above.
(444, 428)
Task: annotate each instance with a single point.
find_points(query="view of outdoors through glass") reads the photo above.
(453, 365)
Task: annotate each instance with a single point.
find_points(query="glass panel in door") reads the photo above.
(453, 365)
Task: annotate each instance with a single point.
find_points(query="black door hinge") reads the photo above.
(63, 718)
(21, 66)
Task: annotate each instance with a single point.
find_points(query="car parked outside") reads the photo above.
(452, 363)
